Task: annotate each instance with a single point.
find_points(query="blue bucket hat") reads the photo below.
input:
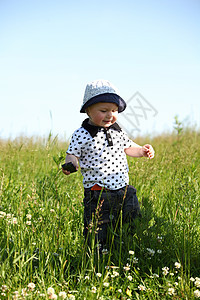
(102, 91)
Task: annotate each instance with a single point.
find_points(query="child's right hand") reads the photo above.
(65, 172)
(71, 164)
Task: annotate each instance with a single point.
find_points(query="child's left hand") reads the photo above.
(148, 151)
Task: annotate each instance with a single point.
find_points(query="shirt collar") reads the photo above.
(93, 130)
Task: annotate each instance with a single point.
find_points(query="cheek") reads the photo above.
(99, 116)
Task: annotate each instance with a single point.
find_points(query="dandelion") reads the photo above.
(131, 252)
(171, 291)
(177, 265)
(106, 284)
(141, 287)
(94, 290)
(63, 295)
(165, 270)
(197, 294)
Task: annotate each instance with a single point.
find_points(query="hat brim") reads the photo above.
(106, 97)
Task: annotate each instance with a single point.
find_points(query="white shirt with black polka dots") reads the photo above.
(100, 163)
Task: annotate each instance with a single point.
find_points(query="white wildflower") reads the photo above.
(171, 291)
(2, 214)
(106, 284)
(197, 282)
(131, 252)
(165, 270)
(14, 220)
(159, 238)
(94, 289)
(99, 275)
(105, 251)
(114, 274)
(127, 267)
(50, 291)
(177, 265)
(151, 251)
(197, 294)
(62, 295)
(141, 287)
(4, 288)
(31, 286)
(70, 297)
(24, 292)
(130, 278)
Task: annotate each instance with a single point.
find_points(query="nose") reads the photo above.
(109, 114)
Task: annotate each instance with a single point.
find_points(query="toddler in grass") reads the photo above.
(100, 147)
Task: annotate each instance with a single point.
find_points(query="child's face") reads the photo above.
(103, 114)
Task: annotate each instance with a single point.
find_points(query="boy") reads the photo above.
(100, 146)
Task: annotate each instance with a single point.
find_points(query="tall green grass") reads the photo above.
(41, 225)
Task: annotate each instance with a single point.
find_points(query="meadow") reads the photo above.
(42, 249)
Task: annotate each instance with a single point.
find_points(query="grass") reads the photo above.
(42, 251)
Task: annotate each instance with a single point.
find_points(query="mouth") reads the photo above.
(110, 121)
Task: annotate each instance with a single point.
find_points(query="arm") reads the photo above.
(139, 151)
(71, 158)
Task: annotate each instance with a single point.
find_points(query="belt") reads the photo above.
(97, 187)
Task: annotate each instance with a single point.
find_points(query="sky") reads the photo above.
(50, 50)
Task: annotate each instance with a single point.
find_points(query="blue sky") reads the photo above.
(50, 50)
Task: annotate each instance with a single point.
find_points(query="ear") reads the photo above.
(87, 110)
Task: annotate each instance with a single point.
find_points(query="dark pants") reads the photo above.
(108, 208)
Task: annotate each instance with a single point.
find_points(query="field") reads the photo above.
(42, 250)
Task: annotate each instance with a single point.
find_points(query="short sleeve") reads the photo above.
(79, 137)
(126, 140)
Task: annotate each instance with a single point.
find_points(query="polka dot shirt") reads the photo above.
(101, 155)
